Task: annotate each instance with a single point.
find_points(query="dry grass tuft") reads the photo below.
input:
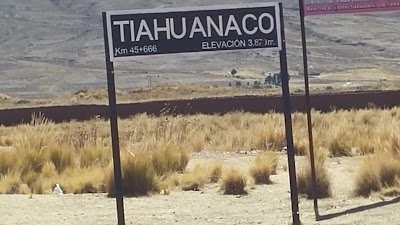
(35, 136)
(301, 147)
(367, 179)
(12, 184)
(377, 172)
(194, 180)
(391, 192)
(260, 173)
(216, 173)
(304, 178)
(43, 153)
(92, 155)
(338, 147)
(269, 135)
(49, 170)
(393, 142)
(389, 170)
(264, 166)
(169, 182)
(8, 161)
(233, 182)
(30, 178)
(32, 160)
(5, 141)
(198, 142)
(62, 156)
(82, 180)
(169, 158)
(201, 175)
(138, 175)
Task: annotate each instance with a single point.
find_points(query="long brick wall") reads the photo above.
(220, 105)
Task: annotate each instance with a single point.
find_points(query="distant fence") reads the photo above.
(216, 105)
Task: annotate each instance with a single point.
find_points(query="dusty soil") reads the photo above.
(263, 205)
(55, 48)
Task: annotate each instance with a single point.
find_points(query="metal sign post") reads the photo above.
(114, 128)
(314, 8)
(288, 124)
(132, 33)
(308, 109)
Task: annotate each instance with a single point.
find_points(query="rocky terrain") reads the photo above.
(55, 47)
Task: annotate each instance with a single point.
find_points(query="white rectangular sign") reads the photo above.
(195, 29)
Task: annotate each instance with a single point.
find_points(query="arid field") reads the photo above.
(252, 83)
(198, 169)
(202, 169)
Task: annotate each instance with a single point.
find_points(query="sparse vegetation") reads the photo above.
(323, 181)
(201, 175)
(40, 154)
(195, 180)
(182, 91)
(138, 175)
(11, 184)
(261, 173)
(378, 172)
(8, 160)
(216, 173)
(168, 159)
(93, 155)
(263, 166)
(233, 182)
(82, 180)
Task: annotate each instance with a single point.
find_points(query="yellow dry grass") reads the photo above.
(263, 166)
(233, 182)
(40, 153)
(195, 180)
(11, 184)
(378, 173)
(201, 175)
(138, 175)
(323, 187)
(216, 172)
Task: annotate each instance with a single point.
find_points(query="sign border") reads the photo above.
(189, 9)
(348, 11)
